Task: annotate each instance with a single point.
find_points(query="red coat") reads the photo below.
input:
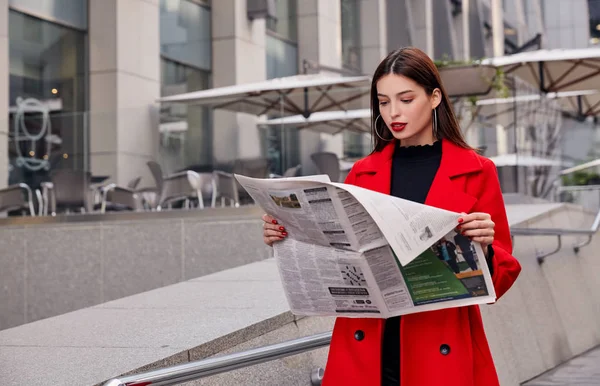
(465, 182)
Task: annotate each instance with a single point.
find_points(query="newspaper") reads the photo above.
(358, 253)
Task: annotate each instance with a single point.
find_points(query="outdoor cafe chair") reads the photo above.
(17, 197)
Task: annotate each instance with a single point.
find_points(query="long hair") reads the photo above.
(416, 65)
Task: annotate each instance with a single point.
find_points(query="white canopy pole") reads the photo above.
(466, 30)
(429, 28)
(498, 27)
(282, 134)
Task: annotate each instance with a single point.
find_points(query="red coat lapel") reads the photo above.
(378, 166)
(444, 193)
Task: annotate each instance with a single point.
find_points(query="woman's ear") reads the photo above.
(436, 98)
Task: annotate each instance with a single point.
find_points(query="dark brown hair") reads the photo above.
(414, 64)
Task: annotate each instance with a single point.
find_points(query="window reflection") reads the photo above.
(354, 143)
(47, 63)
(185, 43)
(351, 52)
(285, 25)
(594, 11)
(282, 146)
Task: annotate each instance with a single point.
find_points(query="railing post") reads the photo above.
(316, 376)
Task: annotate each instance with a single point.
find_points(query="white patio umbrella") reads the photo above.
(292, 95)
(569, 101)
(330, 122)
(307, 94)
(513, 159)
(554, 70)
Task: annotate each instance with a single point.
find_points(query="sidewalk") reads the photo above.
(581, 371)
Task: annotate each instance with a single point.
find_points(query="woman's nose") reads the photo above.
(395, 111)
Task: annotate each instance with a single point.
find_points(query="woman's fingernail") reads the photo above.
(281, 228)
(460, 220)
(274, 221)
(284, 233)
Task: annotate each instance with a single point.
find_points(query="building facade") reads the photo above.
(97, 67)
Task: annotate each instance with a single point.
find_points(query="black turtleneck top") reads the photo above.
(413, 171)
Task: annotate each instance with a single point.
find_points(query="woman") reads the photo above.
(420, 155)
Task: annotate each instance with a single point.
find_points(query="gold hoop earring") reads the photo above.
(377, 134)
(436, 133)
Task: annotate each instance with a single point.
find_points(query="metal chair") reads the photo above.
(117, 198)
(183, 186)
(68, 190)
(225, 188)
(250, 167)
(13, 198)
(327, 163)
(134, 183)
(151, 196)
(290, 172)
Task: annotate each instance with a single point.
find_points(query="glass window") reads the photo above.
(185, 35)
(594, 11)
(185, 130)
(351, 52)
(285, 25)
(48, 64)
(351, 59)
(186, 56)
(282, 147)
(282, 58)
(70, 12)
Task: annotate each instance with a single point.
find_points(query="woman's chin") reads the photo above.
(403, 134)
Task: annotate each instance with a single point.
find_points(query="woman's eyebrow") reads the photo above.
(400, 93)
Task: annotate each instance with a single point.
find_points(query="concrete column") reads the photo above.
(319, 40)
(374, 40)
(466, 33)
(4, 74)
(400, 25)
(124, 85)
(429, 46)
(239, 56)
(373, 32)
(498, 27)
(417, 15)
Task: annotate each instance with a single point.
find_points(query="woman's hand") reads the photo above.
(272, 231)
(479, 227)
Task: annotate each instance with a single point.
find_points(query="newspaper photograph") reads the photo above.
(358, 253)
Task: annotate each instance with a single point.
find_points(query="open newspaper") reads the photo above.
(358, 253)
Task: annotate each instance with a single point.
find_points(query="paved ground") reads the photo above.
(581, 371)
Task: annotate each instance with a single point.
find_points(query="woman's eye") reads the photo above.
(382, 103)
(407, 101)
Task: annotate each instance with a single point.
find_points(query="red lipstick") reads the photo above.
(398, 126)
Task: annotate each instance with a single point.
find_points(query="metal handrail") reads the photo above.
(212, 366)
(559, 232)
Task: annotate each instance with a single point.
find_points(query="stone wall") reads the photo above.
(51, 268)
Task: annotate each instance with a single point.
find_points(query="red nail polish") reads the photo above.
(274, 221)
(284, 233)
(281, 228)
(460, 220)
